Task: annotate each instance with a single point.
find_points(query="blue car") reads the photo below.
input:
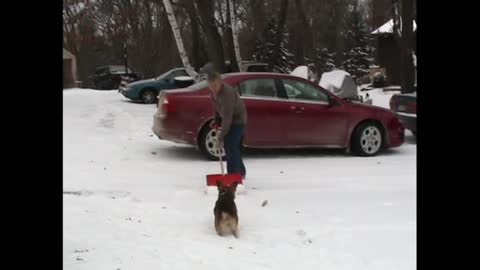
(147, 90)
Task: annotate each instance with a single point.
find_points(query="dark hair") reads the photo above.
(213, 76)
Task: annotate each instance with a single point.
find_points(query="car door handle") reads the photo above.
(297, 109)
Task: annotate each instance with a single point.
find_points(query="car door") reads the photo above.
(265, 112)
(313, 120)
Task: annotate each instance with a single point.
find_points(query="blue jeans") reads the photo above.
(231, 144)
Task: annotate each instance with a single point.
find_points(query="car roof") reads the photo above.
(260, 75)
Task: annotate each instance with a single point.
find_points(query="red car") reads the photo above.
(284, 111)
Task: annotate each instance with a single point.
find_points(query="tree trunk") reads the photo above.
(306, 43)
(339, 42)
(214, 40)
(178, 38)
(406, 47)
(259, 17)
(229, 39)
(236, 46)
(282, 17)
(197, 42)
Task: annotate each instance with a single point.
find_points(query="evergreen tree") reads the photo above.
(325, 61)
(264, 46)
(358, 56)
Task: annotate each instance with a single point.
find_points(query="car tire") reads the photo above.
(367, 139)
(207, 143)
(148, 96)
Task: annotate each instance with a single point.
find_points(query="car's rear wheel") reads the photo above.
(148, 96)
(367, 139)
(207, 144)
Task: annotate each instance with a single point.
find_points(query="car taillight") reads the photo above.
(411, 107)
(165, 105)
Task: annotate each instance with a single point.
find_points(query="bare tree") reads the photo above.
(205, 9)
(178, 39)
(229, 38)
(236, 46)
(403, 29)
(198, 53)
(407, 47)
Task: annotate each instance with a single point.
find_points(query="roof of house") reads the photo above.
(387, 28)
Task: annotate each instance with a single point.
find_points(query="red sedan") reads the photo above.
(284, 111)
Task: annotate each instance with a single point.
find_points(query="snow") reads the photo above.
(132, 201)
(184, 78)
(379, 97)
(388, 28)
(300, 71)
(339, 82)
(408, 114)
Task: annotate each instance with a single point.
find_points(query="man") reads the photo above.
(231, 116)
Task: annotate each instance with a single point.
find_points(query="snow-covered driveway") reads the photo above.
(132, 201)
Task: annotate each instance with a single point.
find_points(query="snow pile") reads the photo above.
(379, 97)
(300, 71)
(340, 83)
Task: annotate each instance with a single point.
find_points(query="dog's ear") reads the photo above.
(219, 184)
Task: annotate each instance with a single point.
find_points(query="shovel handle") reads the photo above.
(220, 156)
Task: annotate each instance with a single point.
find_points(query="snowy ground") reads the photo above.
(132, 201)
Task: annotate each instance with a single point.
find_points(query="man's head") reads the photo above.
(214, 82)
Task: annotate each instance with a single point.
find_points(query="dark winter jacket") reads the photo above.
(229, 109)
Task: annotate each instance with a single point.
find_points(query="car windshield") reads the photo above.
(162, 76)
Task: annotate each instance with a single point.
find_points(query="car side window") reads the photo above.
(182, 72)
(177, 73)
(296, 90)
(259, 88)
(171, 76)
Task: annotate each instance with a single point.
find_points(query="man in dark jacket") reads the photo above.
(231, 116)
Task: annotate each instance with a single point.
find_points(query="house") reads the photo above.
(388, 50)
(69, 70)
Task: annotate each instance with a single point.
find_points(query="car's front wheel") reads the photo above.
(367, 139)
(149, 96)
(207, 144)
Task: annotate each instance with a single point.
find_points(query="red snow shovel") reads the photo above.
(225, 179)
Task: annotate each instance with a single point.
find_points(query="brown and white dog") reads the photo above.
(225, 211)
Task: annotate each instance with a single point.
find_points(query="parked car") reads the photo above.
(283, 111)
(147, 90)
(405, 107)
(109, 77)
